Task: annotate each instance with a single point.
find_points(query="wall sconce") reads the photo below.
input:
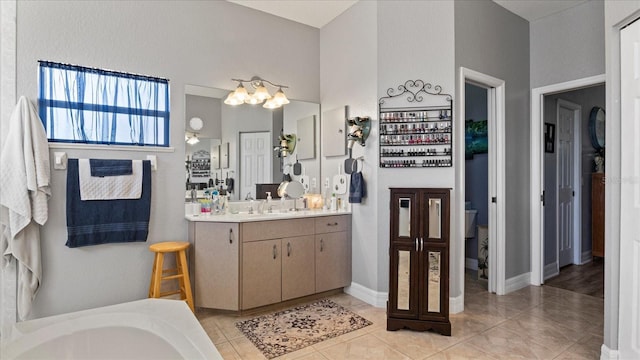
(260, 94)
(287, 145)
(192, 139)
(359, 129)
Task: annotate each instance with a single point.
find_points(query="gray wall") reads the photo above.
(188, 42)
(587, 98)
(476, 169)
(494, 41)
(568, 45)
(209, 110)
(410, 48)
(354, 83)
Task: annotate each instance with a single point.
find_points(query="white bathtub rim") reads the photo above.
(168, 319)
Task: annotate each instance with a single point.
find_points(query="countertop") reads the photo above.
(276, 215)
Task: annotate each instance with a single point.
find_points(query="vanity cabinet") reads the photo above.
(216, 250)
(332, 252)
(419, 260)
(245, 265)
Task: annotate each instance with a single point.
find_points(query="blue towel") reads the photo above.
(106, 221)
(107, 167)
(357, 188)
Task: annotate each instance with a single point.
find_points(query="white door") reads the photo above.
(629, 320)
(565, 172)
(255, 162)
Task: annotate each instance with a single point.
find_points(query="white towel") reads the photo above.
(24, 192)
(110, 187)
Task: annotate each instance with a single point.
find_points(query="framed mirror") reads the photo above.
(222, 126)
(597, 127)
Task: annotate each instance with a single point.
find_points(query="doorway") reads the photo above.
(255, 162)
(546, 105)
(476, 217)
(496, 184)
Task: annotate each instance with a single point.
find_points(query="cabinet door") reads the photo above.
(333, 261)
(434, 282)
(298, 267)
(434, 216)
(403, 281)
(261, 273)
(404, 215)
(216, 268)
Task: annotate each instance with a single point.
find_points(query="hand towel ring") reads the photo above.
(355, 162)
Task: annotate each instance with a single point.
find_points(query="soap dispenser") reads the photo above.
(269, 201)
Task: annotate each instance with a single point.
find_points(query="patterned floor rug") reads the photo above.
(293, 329)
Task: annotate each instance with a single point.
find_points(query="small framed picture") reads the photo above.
(549, 137)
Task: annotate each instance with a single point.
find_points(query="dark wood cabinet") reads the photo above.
(597, 214)
(419, 260)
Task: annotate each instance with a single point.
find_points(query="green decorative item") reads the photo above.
(475, 136)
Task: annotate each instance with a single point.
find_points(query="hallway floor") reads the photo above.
(534, 323)
(585, 279)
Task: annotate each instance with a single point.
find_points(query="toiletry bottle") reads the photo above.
(282, 205)
(269, 201)
(334, 203)
(194, 194)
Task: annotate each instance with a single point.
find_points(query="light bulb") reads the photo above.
(271, 104)
(262, 93)
(280, 98)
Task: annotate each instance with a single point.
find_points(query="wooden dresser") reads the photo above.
(597, 214)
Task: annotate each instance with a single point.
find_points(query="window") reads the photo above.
(93, 106)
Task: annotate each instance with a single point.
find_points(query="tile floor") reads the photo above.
(532, 323)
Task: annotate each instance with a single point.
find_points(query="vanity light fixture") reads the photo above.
(260, 94)
(192, 140)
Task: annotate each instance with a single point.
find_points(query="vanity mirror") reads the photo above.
(250, 134)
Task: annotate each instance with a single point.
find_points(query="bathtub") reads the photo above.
(144, 329)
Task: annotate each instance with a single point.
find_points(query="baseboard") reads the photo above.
(608, 354)
(586, 257)
(551, 270)
(456, 304)
(371, 297)
(470, 263)
(517, 282)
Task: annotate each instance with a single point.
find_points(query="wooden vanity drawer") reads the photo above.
(275, 229)
(328, 224)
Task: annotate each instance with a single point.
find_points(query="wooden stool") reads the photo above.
(180, 273)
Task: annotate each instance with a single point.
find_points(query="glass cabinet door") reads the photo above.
(435, 222)
(404, 271)
(404, 212)
(434, 285)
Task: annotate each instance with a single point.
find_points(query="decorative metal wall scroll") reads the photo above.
(416, 135)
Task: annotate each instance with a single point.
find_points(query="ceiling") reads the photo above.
(537, 9)
(318, 13)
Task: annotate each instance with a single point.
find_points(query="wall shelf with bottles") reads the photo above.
(415, 136)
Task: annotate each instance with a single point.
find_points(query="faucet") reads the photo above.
(248, 197)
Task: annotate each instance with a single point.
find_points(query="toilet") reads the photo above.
(470, 223)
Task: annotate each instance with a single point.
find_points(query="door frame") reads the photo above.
(497, 170)
(576, 256)
(537, 168)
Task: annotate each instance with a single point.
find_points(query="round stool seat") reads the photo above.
(169, 246)
(179, 273)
